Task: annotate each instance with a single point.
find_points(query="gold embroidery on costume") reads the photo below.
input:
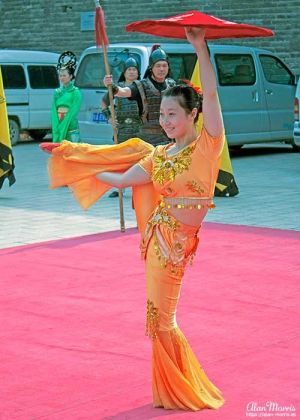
(162, 217)
(152, 320)
(166, 168)
(173, 258)
(195, 187)
(163, 261)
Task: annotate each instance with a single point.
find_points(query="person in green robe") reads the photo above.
(66, 102)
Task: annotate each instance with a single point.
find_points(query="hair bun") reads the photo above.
(196, 89)
(67, 60)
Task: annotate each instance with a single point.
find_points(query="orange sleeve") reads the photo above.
(211, 147)
(77, 165)
(147, 163)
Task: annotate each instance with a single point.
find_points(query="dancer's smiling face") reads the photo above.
(174, 118)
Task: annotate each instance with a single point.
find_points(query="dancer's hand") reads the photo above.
(47, 147)
(195, 36)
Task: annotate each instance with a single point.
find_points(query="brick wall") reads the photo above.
(55, 25)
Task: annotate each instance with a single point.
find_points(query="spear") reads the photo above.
(102, 42)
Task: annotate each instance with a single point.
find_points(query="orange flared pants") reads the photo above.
(178, 380)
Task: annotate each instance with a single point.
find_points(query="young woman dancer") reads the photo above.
(182, 176)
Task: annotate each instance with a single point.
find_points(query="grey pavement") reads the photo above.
(267, 175)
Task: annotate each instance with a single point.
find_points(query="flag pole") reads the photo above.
(102, 41)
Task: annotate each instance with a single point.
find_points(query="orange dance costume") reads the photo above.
(183, 181)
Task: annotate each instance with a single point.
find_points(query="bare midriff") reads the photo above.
(188, 210)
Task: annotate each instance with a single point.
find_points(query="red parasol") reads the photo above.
(173, 27)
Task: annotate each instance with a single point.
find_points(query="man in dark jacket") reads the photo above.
(147, 92)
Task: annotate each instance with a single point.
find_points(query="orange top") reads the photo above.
(192, 172)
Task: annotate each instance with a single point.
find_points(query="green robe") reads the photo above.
(66, 129)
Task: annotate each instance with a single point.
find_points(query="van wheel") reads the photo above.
(295, 147)
(14, 131)
(38, 134)
(235, 148)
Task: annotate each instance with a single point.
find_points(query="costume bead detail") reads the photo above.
(162, 217)
(185, 204)
(152, 320)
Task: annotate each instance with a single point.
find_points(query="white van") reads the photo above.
(29, 79)
(256, 89)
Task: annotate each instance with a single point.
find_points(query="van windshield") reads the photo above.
(92, 71)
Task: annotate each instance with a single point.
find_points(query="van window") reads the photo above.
(13, 77)
(235, 69)
(91, 71)
(275, 71)
(182, 65)
(43, 77)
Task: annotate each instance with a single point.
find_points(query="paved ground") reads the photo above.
(268, 177)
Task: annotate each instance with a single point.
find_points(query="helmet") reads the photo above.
(130, 62)
(157, 54)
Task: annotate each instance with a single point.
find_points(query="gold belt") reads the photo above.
(187, 203)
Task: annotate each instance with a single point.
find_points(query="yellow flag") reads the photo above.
(6, 157)
(225, 186)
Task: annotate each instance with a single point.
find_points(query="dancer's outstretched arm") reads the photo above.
(133, 176)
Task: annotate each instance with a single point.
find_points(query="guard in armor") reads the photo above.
(127, 111)
(147, 93)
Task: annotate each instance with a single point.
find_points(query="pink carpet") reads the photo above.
(72, 342)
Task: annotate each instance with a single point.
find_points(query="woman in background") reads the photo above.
(66, 102)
